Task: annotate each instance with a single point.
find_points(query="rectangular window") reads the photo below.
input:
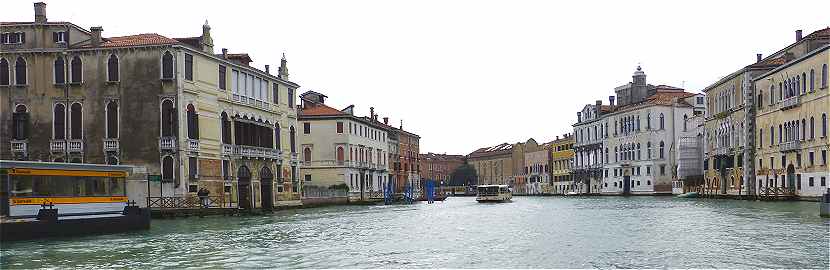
(308, 178)
(824, 157)
(662, 169)
(235, 82)
(193, 170)
(810, 182)
(188, 67)
(648, 170)
(222, 78)
(226, 165)
(306, 128)
(276, 93)
(823, 181)
(291, 98)
(811, 156)
(340, 127)
(59, 37)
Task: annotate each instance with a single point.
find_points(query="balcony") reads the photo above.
(227, 149)
(193, 145)
(722, 151)
(790, 102)
(75, 146)
(167, 143)
(254, 151)
(18, 146)
(789, 146)
(294, 156)
(111, 145)
(57, 146)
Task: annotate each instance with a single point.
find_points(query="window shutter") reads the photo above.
(22, 37)
(54, 36)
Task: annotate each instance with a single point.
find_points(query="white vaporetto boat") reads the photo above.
(494, 193)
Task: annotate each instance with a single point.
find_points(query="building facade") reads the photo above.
(537, 170)
(792, 139)
(339, 148)
(590, 132)
(493, 165)
(196, 118)
(408, 170)
(561, 160)
(439, 167)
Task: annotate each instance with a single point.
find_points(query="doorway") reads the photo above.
(244, 188)
(267, 189)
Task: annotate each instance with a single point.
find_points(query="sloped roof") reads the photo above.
(320, 110)
(137, 40)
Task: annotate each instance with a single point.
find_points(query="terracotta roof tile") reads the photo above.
(320, 110)
(137, 40)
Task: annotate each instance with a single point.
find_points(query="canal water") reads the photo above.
(531, 232)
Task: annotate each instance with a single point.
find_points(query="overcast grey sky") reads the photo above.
(469, 74)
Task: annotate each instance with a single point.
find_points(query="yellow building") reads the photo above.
(561, 159)
(792, 138)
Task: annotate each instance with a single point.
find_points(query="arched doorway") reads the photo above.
(790, 178)
(244, 188)
(266, 191)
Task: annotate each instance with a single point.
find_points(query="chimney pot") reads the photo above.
(386, 120)
(225, 53)
(40, 12)
(758, 57)
(95, 40)
(798, 35)
(268, 69)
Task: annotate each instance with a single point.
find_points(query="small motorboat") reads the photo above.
(689, 195)
(571, 193)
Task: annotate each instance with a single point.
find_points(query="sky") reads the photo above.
(469, 74)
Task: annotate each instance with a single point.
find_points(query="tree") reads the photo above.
(464, 175)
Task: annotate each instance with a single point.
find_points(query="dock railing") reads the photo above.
(190, 202)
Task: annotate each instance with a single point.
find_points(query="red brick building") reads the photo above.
(439, 167)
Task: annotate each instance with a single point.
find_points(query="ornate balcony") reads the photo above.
(19, 146)
(227, 149)
(789, 146)
(790, 102)
(254, 152)
(111, 145)
(57, 146)
(75, 146)
(193, 145)
(167, 143)
(722, 151)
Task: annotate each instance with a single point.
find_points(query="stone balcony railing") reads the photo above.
(167, 143)
(789, 146)
(193, 145)
(790, 102)
(722, 151)
(75, 146)
(254, 151)
(18, 146)
(227, 149)
(58, 146)
(111, 145)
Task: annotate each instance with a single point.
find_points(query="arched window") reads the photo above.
(76, 70)
(112, 160)
(76, 121)
(168, 118)
(662, 150)
(685, 118)
(803, 129)
(616, 154)
(812, 128)
(662, 121)
(340, 155)
(192, 123)
(639, 154)
(167, 168)
(803, 83)
(824, 75)
(112, 120)
(307, 154)
(167, 66)
(112, 68)
(20, 123)
(60, 71)
(291, 139)
(648, 121)
(226, 129)
(760, 98)
(648, 150)
(812, 80)
(59, 122)
(20, 71)
(5, 72)
(823, 125)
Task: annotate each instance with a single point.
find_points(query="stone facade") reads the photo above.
(80, 94)
(561, 157)
(439, 167)
(493, 165)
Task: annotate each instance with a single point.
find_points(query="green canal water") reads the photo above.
(531, 232)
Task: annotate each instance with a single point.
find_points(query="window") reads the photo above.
(803, 83)
(192, 167)
(340, 127)
(76, 70)
(112, 120)
(20, 123)
(192, 123)
(307, 154)
(167, 169)
(699, 100)
(167, 66)
(168, 118)
(188, 67)
(59, 37)
(291, 136)
(811, 156)
(823, 125)
(663, 169)
(306, 128)
(812, 80)
(59, 122)
(13, 38)
(760, 138)
(20, 71)
(4, 72)
(662, 121)
(291, 98)
(76, 121)
(662, 148)
(824, 76)
(810, 182)
(823, 181)
(307, 177)
(226, 129)
(276, 93)
(277, 136)
(60, 71)
(824, 157)
(223, 78)
(340, 155)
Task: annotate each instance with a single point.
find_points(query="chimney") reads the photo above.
(268, 69)
(599, 109)
(372, 113)
(225, 53)
(386, 120)
(797, 33)
(95, 40)
(758, 57)
(557, 137)
(611, 101)
(40, 12)
(578, 117)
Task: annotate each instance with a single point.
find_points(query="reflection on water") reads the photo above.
(531, 232)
